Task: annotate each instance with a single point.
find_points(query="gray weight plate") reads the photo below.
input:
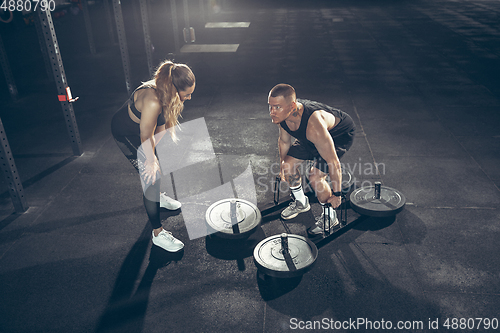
(270, 259)
(391, 201)
(247, 218)
(347, 180)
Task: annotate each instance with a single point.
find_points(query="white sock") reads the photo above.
(333, 213)
(298, 194)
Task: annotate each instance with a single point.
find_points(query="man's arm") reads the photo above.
(317, 133)
(284, 143)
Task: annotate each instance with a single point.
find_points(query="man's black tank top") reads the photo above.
(344, 126)
(161, 119)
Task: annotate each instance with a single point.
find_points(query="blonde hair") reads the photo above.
(169, 79)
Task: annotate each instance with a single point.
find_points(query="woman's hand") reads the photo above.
(149, 170)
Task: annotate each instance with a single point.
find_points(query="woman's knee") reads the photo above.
(152, 191)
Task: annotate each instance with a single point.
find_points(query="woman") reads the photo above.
(137, 128)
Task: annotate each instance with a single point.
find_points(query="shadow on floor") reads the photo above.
(348, 280)
(126, 308)
(234, 249)
(27, 183)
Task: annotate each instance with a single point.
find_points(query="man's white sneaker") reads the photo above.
(168, 203)
(166, 241)
(295, 208)
(318, 229)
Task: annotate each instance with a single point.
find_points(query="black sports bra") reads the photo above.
(161, 119)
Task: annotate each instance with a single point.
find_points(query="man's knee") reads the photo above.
(316, 177)
(291, 165)
(288, 168)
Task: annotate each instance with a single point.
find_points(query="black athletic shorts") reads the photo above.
(305, 152)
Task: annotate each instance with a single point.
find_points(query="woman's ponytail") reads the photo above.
(170, 79)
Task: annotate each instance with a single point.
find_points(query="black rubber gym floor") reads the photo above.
(421, 79)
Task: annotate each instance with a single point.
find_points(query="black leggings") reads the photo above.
(127, 137)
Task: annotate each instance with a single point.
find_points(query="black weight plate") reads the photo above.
(391, 201)
(248, 217)
(270, 259)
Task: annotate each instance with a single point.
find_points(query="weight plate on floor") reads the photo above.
(237, 221)
(270, 258)
(347, 180)
(364, 201)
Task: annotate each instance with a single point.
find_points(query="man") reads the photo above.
(323, 135)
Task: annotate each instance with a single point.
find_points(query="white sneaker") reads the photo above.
(295, 208)
(166, 241)
(318, 229)
(168, 203)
